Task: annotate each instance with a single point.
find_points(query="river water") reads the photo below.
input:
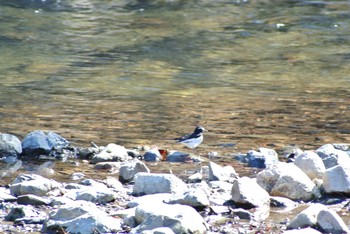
(254, 73)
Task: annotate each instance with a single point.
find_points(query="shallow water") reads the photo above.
(254, 73)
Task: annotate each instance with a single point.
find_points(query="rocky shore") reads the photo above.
(308, 190)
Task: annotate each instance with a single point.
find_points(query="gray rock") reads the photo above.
(34, 184)
(221, 192)
(332, 157)
(196, 177)
(330, 222)
(246, 192)
(111, 167)
(26, 214)
(39, 142)
(81, 217)
(152, 155)
(151, 183)
(217, 172)
(283, 202)
(197, 198)
(6, 196)
(30, 199)
(77, 176)
(337, 179)
(302, 231)
(177, 156)
(243, 214)
(179, 218)
(150, 199)
(111, 152)
(10, 145)
(160, 230)
(128, 170)
(262, 158)
(311, 164)
(287, 180)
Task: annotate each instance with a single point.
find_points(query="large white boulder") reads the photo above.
(246, 191)
(179, 218)
(287, 180)
(151, 183)
(128, 170)
(81, 217)
(111, 152)
(337, 180)
(311, 164)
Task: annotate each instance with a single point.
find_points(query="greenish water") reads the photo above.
(255, 73)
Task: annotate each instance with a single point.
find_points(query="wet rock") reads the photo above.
(247, 193)
(337, 179)
(26, 214)
(39, 142)
(311, 164)
(318, 215)
(111, 167)
(197, 198)
(34, 184)
(332, 157)
(150, 183)
(262, 158)
(179, 218)
(10, 145)
(177, 156)
(152, 155)
(287, 180)
(217, 172)
(30, 199)
(150, 199)
(111, 152)
(128, 170)
(81, 217)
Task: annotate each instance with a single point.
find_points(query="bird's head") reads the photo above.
(200, 129)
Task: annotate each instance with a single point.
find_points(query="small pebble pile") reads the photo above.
(213, 200)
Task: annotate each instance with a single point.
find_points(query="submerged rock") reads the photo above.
(39, 142)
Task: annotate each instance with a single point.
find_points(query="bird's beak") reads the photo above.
(205, 130)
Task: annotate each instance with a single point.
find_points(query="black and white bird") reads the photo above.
(194, 139)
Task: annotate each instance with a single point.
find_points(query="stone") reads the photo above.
(217, 172)
(5, 195)
(150, 199)
(282, 202)
(195, 178)
(26, 214)
(128, 170)
(330, 222)
(111, 167)
(337, 180)
(177, 156)
(307, 230)
(77, 176)
(221, 192)
(306, 218)
(242, 214)
(287, 180)
(160, 230)
(111, 152)
(246, 192)
(10, 145)
(332, 157)
(151, 183)
(196, 198)
(262, 158)
(39, 142)
(30, 199)
(311, 164)
(81, 217)
(34, 184)
(152, 155)
(179, 218)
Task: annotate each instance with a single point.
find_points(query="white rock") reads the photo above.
(332, 157)
(179, 218)
(337, 180)
(302, 231)
(195, 177)
(34, 184)
(287, 180)
(98, 195)
(311, 164)
(151, 183)
(330, 222)
(128, 170)
(77, 176)
(306, 218)
(111, 152)
(160, 230)
(217, 172)
(192, 197)
(247, 192)
(150, 199)
(262, 158)
(82, 217)
(26, 214)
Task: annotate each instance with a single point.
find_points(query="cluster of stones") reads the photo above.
(140, 201)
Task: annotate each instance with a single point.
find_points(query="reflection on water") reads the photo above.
(255, 73)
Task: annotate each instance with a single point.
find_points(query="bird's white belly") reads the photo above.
(192, 143)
